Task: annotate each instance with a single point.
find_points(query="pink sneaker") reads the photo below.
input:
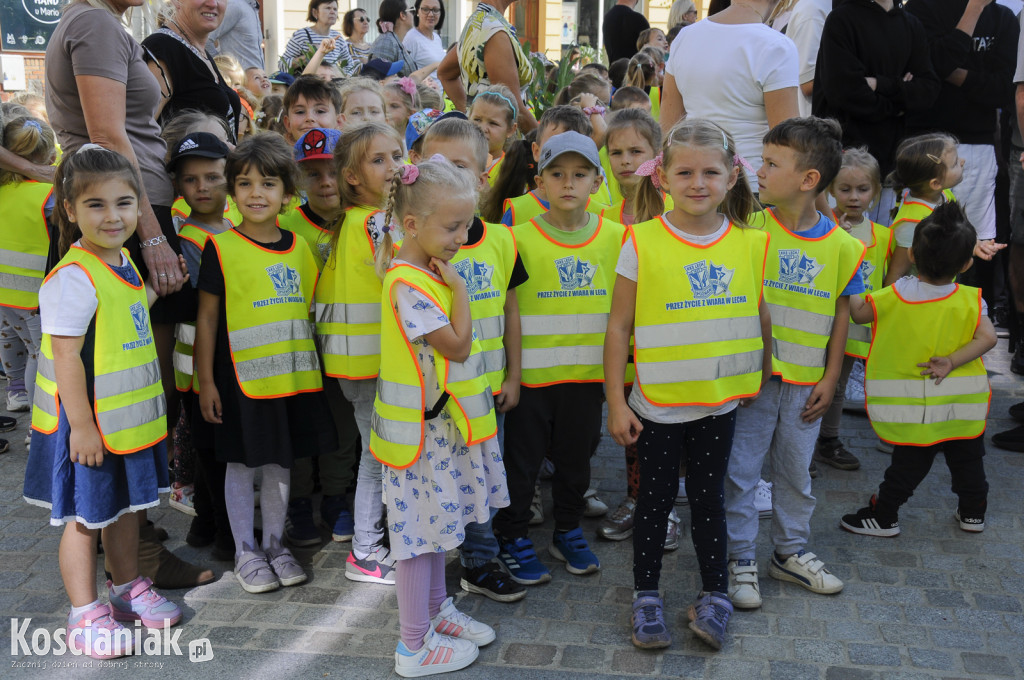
(142, 603)
(95, 633)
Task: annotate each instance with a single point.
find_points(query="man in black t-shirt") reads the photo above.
(622, 26)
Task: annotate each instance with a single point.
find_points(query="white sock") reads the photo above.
(122, 589)
(78, 611)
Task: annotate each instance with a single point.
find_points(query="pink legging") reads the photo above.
(419, 584)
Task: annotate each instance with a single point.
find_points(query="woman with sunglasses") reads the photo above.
(355, 26)
(423, 43)
(394, 23)
(323, 14)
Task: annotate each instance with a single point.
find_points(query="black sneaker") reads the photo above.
(7, 423)
(813, 470)
(867, 523)
(490, 581)
(970, 521)
(1011, 440)
(4, 446)
(1016, 412)
(833, 453)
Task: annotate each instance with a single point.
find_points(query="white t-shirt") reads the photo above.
(67, 301)
(748, 60)
(913, 289)
(903, 233)
(423, 51)
(629, 267)
(804, 29)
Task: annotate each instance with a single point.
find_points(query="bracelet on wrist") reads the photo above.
(591, 110)
(155, 241)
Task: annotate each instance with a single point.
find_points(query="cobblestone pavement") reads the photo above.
(934, 602)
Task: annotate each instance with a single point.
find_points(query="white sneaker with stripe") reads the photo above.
(450, 621)
(439, 654)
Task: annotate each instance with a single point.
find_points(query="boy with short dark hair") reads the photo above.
(813, 268)
(951, 333)
(630, 97)
(310, 103)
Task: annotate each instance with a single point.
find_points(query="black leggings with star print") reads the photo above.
(704, 446)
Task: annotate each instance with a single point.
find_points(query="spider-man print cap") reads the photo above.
(316, 144)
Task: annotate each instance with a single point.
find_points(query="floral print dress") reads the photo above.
(482, 25)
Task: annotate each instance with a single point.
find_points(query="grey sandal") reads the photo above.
(254, 572)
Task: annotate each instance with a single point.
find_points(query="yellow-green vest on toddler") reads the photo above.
(564, 305)
(231, 214)
(803, 278)
(348, 302)
(697, 325)
(616, 213)
(912, 210)
(185, 331)
(24, 243)
(398, 420)
(906, 407)
(128, 395)
(486, 267)
(267, 296)
(318, 238)
(526, 207)
(872, 271)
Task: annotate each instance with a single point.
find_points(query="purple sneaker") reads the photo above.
(709, 616)
(649, 629)
(143, 603)
(95, 633)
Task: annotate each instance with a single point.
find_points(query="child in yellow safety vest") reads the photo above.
(570, 255)
(928, 391)
(927, 168)
(366, 158)
(855, 189)
(492, 269)
(99, 418)
(26, 241)
(813, 268)
(196, 166)
(255, 357)
(494, 111)
(433, 427)
(701, 350)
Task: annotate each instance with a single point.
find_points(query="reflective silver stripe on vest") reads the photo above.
(185, 333)
(478, 405)
(697, 332)
(858, 332)
(550, 357)
(711, 368)
(472, 367)
(494, 360)
(132, 415)
(565, 324)
(45, 367)
(182, 363)
(45, 402)
(13, 258)
(489, 328)
(801, 319)
(925, 388)
(397, 394)
(24, 284)
(269, 333)
(127, 380)
(926, 415)
(798, 355)
(278, 364)
(350, 345)
(340, 312)
(396, 432)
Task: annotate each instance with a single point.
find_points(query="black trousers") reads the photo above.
(704, 446)
(564, 419)
(910, 465)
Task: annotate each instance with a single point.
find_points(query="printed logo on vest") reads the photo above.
(287, 286)
(140, 317)
(866, 270)
(708, 279)
(325, 250)
(795, 267)
(477, 276)
(575, 273)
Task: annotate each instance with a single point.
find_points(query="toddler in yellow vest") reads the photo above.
(433, 415)
(813, 268)
(99, 417)
(928, 391)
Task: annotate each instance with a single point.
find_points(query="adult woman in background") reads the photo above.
(394, 24)
(748, 87)
(355, 26)
(323, 14)
(99, 90)
(423, 43)
(185, 72)
(488, 52)
(682, 12)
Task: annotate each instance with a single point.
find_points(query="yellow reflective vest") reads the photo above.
(128, 395)
(913, 211)
(486, 267)
(803, 278)
(495, 169)
(231, 214)
(348, 302)
(564, 305)
(318, 238)
(614, 190)
(24, 243)
(526, 207)
(697, 324)
(617, 212)
(267, 296)
(906, 407)
(872, 271)
(398, 421)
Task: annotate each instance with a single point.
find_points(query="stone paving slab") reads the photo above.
(933, 603)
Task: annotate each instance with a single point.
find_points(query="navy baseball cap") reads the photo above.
(201, 144)
(282, 78)
(379, 69)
